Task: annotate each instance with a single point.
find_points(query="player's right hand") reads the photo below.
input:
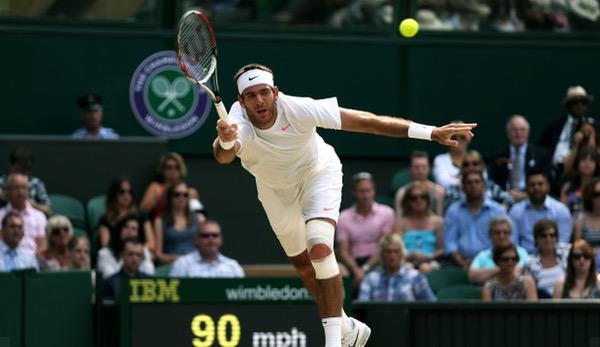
(227, 131)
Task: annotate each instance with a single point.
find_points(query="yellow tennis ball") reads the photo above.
(409, 27)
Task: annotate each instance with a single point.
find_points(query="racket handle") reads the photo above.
(221, 111)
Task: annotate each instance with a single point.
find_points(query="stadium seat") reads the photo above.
(446, 277)
(162, 271)
(69, 207)
(386, 200)
(96, 207)
(400, 178)
(79, 231)
(465, 291)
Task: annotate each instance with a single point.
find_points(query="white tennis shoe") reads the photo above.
(359, 335)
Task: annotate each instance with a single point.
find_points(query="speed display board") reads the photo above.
(252, 312)
(209, 325)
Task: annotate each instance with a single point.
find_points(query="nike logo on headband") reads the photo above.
(251, 78)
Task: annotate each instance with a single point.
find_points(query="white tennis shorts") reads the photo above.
(288, 209)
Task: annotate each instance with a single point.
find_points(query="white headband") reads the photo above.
(254, 77)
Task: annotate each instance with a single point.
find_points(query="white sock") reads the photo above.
(333, 331)
(346, 325)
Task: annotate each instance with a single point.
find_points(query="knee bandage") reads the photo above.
(321, 232)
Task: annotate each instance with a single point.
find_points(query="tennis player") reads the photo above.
(299, 178)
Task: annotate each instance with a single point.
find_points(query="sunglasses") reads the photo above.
(208, 235)
(578, 101)
(514, 259)
(171, 167)
(180, 194)
(471, 163)
(125, 191)
(417, 197)
(596, 194)
(547, 235)
(580, 256)
(60, 230)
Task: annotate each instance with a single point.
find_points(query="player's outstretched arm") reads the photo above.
(225, 145)
(367, 122)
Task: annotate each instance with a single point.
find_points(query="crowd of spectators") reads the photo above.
(168, 229)
(507, 222)
(463, 15)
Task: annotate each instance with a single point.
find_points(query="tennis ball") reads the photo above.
(409, 27)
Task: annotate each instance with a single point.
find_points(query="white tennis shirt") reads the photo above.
(291, 149)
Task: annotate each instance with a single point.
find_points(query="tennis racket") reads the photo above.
(197, 55)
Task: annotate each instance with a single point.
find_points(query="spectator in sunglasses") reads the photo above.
(582, 280)
(473, 162)
(419, 171)
(176, 229)
(587, 225)
(59, 231)
(206, 260)
(483, 266)
(548, 263)
(506, 284)
(421, 229)
(120, 203)
(171, 169)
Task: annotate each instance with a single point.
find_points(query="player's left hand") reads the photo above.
(445, 133)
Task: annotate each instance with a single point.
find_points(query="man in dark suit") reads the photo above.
(132, 256)
(510, 166)
(558, 134)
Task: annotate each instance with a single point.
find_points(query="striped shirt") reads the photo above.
(405, 285)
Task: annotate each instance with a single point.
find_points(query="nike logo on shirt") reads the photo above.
(285, 127)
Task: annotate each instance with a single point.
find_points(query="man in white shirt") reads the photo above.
(207, 261)
(299, 178)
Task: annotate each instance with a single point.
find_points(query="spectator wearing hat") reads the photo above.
(360, 227)
(509, 167)
(21, 161)
(557, 136)
(92, 113)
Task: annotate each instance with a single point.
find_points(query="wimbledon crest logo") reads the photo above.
(164, 101)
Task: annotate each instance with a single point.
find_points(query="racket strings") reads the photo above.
(196, 46)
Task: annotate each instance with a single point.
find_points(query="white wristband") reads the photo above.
(420, 131)
(226, 145)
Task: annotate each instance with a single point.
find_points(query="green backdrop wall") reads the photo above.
(434, 78)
